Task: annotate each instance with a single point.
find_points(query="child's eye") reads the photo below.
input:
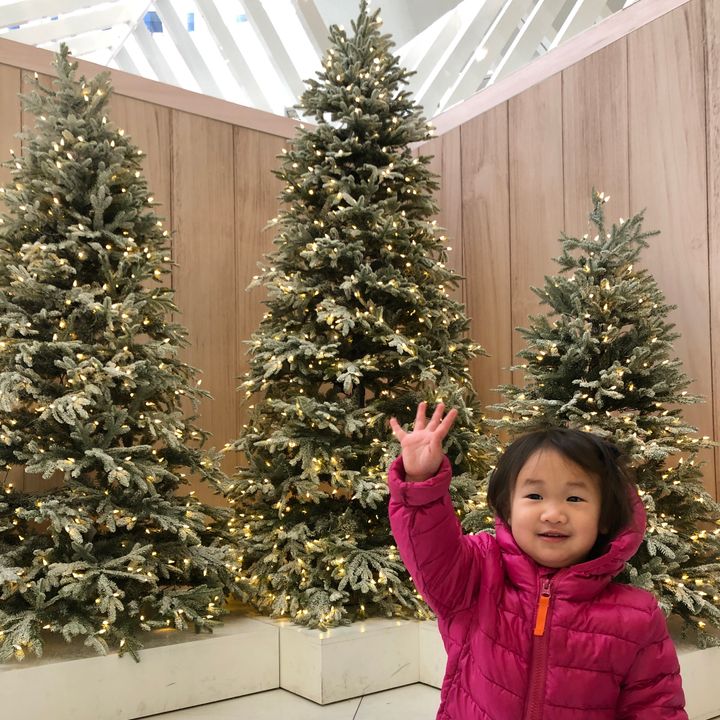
(534, 496)
(575, 498)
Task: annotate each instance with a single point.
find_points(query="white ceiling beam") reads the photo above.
(237, 64)
(475, 29)
(18, 13)
(429, 55)
(583, 15)
(525, 43)
(90, 42)
(314, 25)
(274, 47)
(179, 34)
(130, 30)
(76, 24)
(487, 52)
(125, 61)
(155, 58)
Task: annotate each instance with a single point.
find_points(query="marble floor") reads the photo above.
(412, 702)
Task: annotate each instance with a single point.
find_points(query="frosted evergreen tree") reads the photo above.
(92, 392)
(360, 327)
(602, 360)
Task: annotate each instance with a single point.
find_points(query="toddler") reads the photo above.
(533, 624)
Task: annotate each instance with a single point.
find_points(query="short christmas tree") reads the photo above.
(360, 327)
(602, 360)
(91, 396)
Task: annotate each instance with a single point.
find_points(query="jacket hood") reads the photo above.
(584, 580)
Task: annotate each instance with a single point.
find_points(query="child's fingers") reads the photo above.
(397, 431)
(447, 423)
(420, 418)
(436, 416)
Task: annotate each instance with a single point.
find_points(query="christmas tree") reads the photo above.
(360, 327)
(91, 396)
(602, 360)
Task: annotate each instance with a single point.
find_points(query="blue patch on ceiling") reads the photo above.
(153, 22)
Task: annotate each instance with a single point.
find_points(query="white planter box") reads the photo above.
(177, 670)
(700, 670)
(345, 662)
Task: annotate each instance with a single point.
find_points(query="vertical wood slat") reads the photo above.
(668, 176)
(256, 204)
(203, 212)
(486, 226)
(10, 125)
(536, 196)
(595, 136)
(446, 164)
(712, 85)
(10, 116)
(148, 126)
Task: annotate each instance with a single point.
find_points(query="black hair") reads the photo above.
(592, 453)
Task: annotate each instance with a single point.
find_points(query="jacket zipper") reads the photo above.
(538, 669)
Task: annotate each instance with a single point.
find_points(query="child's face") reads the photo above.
(555, 509)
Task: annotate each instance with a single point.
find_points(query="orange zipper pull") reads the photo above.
(542, 610)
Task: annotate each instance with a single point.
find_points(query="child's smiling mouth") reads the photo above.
(553, 536)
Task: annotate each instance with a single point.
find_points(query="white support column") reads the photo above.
(237, 63)
(155, 58)
(276, 51)
(179, 35)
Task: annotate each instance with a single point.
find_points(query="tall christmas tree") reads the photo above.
(602, 360)
(91, 395)
(360, 327)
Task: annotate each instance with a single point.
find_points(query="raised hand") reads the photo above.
(422, 448)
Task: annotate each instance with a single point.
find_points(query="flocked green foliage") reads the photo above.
(602, 360)
(91, 396)
(360, 326)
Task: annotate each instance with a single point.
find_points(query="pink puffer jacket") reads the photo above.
(602, 652)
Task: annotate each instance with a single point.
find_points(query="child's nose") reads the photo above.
(553, 514)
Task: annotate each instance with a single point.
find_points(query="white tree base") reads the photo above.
(177, 670)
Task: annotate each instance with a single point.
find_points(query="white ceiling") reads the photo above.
(258, 52)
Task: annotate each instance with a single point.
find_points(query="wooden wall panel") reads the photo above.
(148, 126)
(536, 196)
(595, 136)
(9, 116)
(204, 278)
(668, 177)
(256, 203)
(712, 84)
(447, 165)
(28, 121)
(486, 234)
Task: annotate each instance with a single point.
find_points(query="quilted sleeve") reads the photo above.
(652, 689)
(445, 565)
